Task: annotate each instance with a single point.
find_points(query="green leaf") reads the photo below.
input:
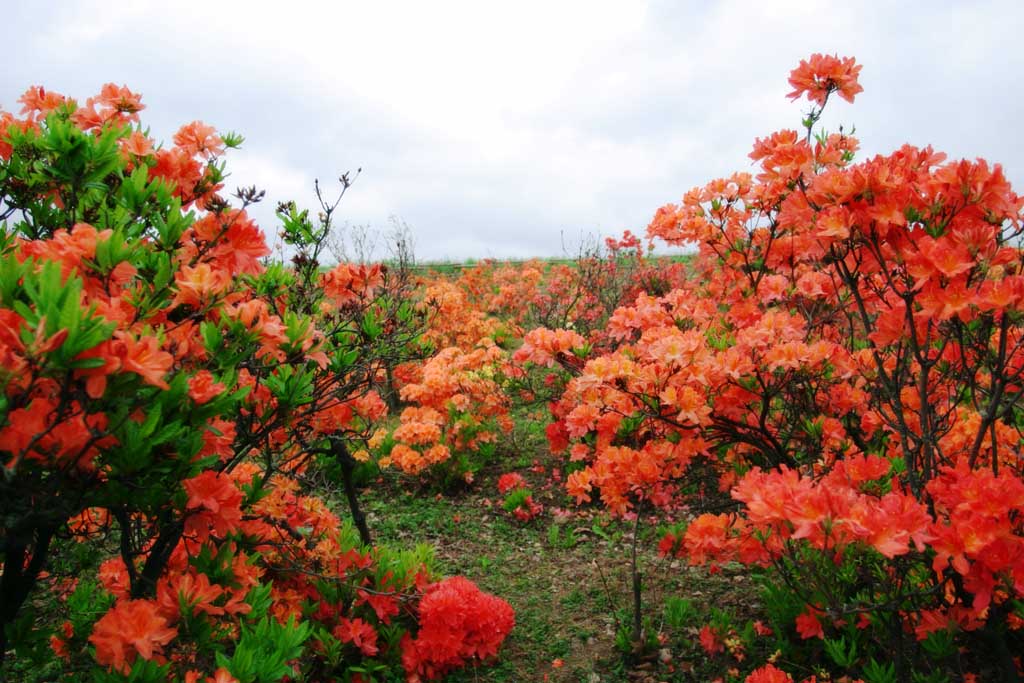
(371, 326)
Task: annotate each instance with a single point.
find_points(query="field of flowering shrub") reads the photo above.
(793, 455)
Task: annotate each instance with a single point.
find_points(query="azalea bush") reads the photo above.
(164, 394)
(456, 403)
(847, 359)
(456, 415)
(454, 407)
(579, 294)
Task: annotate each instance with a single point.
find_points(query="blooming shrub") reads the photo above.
(846, 356)
(161, 386)
(456, 408)
(458, 623)
(578, 295)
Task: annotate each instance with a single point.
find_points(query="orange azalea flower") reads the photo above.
(578, 484)
(131, 628)
(202, 388)
(193, 590)
(932, 620)
(543, 346)
(12, 348)
(823, 74)
(813, 285)
(417, 433)
(834, 222)
(772, 288)
(25, 426)
(359, 633)
(693, 406)
(349, 283)
(1002, 294)
(245, 245)
(212, 491)
(87, 118)
(783, 155)
(222, 675)
(863, 468)
(710, 640)
(370, 406)
(178, 168)
(808, 625)
(38, 100)
(121, 100)
(708, 538)
(940, 302)
(215, 502)
(144, 357)
(948, 258)
(59, 644)
(218, 439)
(437, 453)
(892, 522)
(198, 285)
(405, 458)
(510, 481)
(114, 577)
(6, 121)
(581, 420)
(768, 674)
(89, 522)
(384, 606)
(197, 138)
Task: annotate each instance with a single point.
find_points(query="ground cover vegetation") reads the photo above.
(792, 456)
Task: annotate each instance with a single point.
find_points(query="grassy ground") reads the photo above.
(456, 267)
(566, 576)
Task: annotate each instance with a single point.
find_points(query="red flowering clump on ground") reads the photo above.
(458, 623)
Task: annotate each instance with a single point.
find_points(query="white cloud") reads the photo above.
(491, 128)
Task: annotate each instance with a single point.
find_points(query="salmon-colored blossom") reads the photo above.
(131, 628)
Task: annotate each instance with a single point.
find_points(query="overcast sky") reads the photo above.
(493, 128)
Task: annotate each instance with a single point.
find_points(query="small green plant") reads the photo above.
(843, 653)
(561, 537)
(680, 613)
(879, 673)
(940, 644)
(625, 636)
(515, 498)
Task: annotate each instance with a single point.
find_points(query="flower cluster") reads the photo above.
(458, 624)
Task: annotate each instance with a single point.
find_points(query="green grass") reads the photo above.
(566, 579)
